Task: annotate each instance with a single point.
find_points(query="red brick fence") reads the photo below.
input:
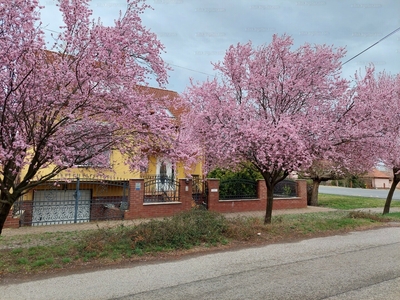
(139, 208)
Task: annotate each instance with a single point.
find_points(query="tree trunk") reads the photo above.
(4, 210)
(314, 195)
(396, 180)
(270, 200)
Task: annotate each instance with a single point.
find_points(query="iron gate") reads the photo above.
(73, 201)
(199, 191)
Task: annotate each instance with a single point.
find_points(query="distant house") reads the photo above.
(376, 179)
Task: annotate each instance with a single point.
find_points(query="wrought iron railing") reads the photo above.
(285, 189)
(160, 188)
(237, 189)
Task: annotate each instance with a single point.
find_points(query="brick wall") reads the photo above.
(11, 222)
(98, 211)
(138, 209)
(225, 206)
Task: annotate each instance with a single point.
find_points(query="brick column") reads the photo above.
(302, 191)
(213, 194)
(10, 221)
(262, 193)
(136, 197)
(261, 190)
(185, 193)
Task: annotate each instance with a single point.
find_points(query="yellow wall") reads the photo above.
(98, 190)
(119, 170)
(180, 170)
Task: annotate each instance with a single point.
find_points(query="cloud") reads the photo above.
(197, 32)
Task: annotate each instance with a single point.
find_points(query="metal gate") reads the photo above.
(60, 207)
(199, 192)
(73, 201)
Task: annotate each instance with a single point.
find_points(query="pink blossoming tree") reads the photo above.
(264, 107)
(383, 92)
(349, 144)
(66, 104)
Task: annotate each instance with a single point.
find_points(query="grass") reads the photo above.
(352, 202)
(198, 229)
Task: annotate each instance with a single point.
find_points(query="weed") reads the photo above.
(89, 255)
(115, 255)
(49, 260)
(138, 252)
(38, 263)
(367, 215)
(16, 251)
(66, 260)
(22, 261)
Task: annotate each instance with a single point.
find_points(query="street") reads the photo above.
(358, 265)
(374, 193)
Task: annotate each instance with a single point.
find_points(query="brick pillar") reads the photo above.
(302, 191)
(136, 198)
(262, 193)
(185, 193)
(261, 190)
(11, 222)
(213, 194)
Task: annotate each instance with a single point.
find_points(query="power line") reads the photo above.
(386, 36)
(51, 30)
(190, 69)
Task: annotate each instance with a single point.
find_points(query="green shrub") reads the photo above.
(182, 231)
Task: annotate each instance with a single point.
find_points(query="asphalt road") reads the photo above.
(374, 193)
(360, 265)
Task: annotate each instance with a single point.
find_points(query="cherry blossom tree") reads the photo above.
(354, 157)
(383, 92)
(67, 103)
(363, 132)
(264, 106)
(348, 146)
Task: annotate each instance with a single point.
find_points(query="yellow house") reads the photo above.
(86, 193)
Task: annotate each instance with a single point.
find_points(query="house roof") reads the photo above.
(159, 93)
(170, 98)
(377, 174)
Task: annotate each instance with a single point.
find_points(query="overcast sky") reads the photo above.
(196, 32)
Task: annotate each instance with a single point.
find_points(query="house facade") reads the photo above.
(92, 192)
(377, 179)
